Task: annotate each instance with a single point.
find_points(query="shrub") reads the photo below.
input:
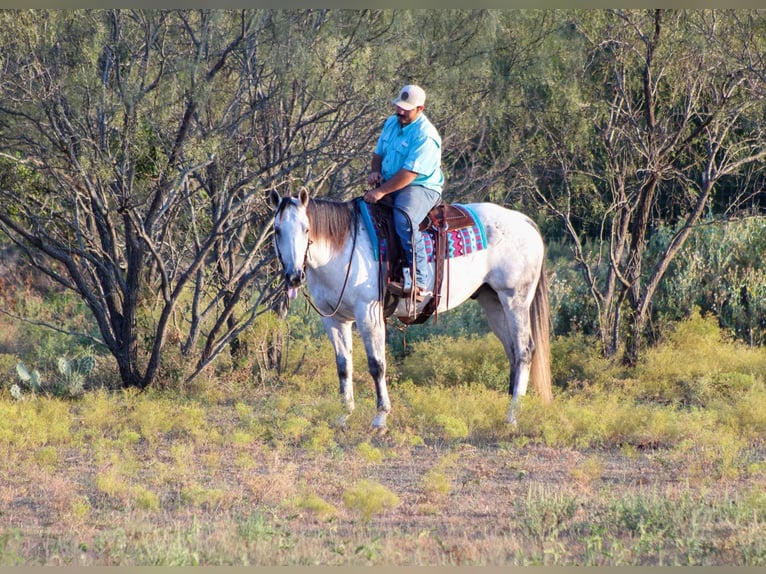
(369, 498)
(451, 361)
(316, 505)
(696, 365)
(720, 270)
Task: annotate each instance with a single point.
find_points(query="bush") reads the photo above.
(721, 271)
(696, 365)
(457, 361)
(369, 498)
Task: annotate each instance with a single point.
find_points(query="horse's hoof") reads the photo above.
(378, 431)
(340, 423)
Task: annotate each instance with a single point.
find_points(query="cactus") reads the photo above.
(73, 374)
(85, 364)
(16, 392)
(31, 379)
(69, 384)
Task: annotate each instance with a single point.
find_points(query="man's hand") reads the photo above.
(374, 178)
(373, 196)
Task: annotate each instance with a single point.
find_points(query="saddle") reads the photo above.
(442, 218)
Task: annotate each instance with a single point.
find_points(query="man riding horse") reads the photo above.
(406, 165)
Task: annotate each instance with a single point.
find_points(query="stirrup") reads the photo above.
(422, 293)
(403, 288)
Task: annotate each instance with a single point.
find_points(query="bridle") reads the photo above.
(305, 261)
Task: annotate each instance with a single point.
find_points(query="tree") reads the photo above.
(137, 146)
(676, 104)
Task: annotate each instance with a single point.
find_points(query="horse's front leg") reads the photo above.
(339, 333)
(372, 327)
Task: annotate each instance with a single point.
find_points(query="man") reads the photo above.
(407, 164)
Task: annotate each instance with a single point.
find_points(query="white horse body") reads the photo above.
(507, 278)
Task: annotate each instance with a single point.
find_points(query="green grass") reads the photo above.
(662, 464)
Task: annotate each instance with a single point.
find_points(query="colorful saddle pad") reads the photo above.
(461, 241)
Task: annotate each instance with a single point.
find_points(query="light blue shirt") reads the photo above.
(415, 147)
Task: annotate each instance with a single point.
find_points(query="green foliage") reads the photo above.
(467, 320)
(368, 498)
(577, 360)
(69, 384)
(546, 514)
(369, 453)
(571, 303)
(451, 413)
(316, 505)
(697, 365)
(456, 361)
(720, 270)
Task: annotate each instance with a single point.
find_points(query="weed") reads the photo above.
(9, 541)
(316, 505)
(448, 361)
(197, 495)
(79, 508)
(436, 485)
(369, 498)
(453, 428)
(547, 514)
(47, 457)
(369, 453)
(145, 499)
(587, 471)
(320, 438)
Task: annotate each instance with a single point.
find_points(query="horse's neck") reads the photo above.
(322, 258)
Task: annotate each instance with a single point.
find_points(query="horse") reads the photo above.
(322, 244)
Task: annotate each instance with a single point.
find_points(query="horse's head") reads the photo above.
(291, 237)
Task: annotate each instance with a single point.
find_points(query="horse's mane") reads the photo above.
(330, 221)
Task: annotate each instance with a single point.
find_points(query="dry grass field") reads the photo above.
(150, 479)
(663, 464)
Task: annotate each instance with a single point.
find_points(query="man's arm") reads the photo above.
(374, 178)
(400, 179)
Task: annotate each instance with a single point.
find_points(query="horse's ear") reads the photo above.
(303, 195)
(274, 198)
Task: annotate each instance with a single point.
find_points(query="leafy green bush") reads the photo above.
(720, 270)
(369, 498)
(450, 413)
(696, 365)
(449, 361)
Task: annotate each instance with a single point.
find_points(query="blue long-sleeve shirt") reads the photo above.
(415, 147)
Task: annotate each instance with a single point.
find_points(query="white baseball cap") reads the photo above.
(410, 97)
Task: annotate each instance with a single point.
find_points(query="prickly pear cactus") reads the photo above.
(31, 379)
(84, 364)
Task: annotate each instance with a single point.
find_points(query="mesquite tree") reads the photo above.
(136, 149)
(669, 128)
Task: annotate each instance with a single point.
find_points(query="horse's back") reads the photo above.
(511, 260)
(514, 243)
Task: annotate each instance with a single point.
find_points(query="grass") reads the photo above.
(613, 472)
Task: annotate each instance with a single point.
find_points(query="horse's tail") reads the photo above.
(540, 370)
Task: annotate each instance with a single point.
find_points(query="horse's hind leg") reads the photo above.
(372, 328)
(509, 320)
(339, 333)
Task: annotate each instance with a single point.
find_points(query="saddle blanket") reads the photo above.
(460, 241)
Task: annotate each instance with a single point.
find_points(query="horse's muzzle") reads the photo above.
(293, 280)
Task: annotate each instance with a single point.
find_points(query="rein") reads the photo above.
(345, 281)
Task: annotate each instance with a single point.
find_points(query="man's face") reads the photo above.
(407, 116)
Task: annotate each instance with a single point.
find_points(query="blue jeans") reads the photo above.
(413, 203)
